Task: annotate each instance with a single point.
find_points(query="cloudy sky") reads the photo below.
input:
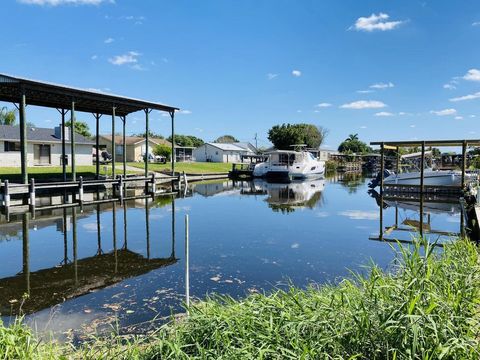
(387, 70)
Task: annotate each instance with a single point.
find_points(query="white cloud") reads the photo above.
(413, 125)
(94, 57)
(296, 73)
(466, 97)
(472, 75)
(363, 127)
(360, 214)
(271, 76)
(476, 23)
(365, 91)
(129, 58)
(458, 117)
(185, 112)
(109, 40)
(382, 85)
(444, 112)
(449, 86)
(322, 214)
(375, 22)
(138, 67)
(403, 113)
(64, 2)
(472, 116)
(323, 105)
(299, 111)
(364, 104)
(384, 113)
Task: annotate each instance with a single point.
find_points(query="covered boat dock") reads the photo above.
(423, 145)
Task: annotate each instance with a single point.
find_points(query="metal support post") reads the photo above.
(72, 141)
(172, 115)
(113, 142)
(422, 168)
(464, 162)
(23, 137)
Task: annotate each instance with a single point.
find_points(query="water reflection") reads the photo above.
(415, 213)
(281, 197)
(31, 291)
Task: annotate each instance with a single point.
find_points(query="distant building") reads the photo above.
(44, 147)
(135, 146)
(219, 152)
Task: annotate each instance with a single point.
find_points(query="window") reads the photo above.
(119, 150)
(12, 146)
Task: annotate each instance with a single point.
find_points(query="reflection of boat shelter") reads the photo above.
(76, 276)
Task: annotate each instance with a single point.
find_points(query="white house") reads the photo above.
(44, 147)
(219, 152)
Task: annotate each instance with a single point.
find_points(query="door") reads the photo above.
(41, 154)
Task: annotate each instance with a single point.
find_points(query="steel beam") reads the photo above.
(64, 164)
(172, 115)
(464, 162)
(422, 168)
(72, 141)
(23, 137)
(147, 112)
(113, 142)
(97, 144)
(124, 147)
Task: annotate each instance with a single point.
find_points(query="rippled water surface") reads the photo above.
(125, 264)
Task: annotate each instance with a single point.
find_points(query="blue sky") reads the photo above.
(387, 70)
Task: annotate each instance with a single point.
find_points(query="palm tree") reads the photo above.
(7, 117)
(352, 137)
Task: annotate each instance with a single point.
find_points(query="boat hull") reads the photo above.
(434, 178)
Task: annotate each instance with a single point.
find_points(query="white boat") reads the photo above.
(430, 178)
(290, 165)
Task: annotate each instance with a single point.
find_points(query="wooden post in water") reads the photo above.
(75, 246)
(6, 194)
(26, 251)
(114, 234)
(187, 262)
(32, 194)
(147, 226)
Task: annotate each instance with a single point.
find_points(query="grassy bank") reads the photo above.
(51, 173)
(189, 168)
(426, 307)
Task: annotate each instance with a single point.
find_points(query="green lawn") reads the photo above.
(51, 173)
(189, 168)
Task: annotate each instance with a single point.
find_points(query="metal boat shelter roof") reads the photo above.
(57, 96)
(413, 143)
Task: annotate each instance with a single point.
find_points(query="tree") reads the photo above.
(151, 135)
(227, 139)
(81, 128)
(187, 140)
(353, 145)
(285, 135)
(7, 117)
(163, 150)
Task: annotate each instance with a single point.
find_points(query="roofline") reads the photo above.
(85, 94)
(412, 143)
(49, 141)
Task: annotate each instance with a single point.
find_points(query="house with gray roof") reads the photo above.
(44, 147)
(219, 152)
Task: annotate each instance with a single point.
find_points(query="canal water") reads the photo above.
(74, 272)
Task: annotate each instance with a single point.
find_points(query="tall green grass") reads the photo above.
(425, 307)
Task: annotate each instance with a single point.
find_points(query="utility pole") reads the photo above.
(256, 142)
